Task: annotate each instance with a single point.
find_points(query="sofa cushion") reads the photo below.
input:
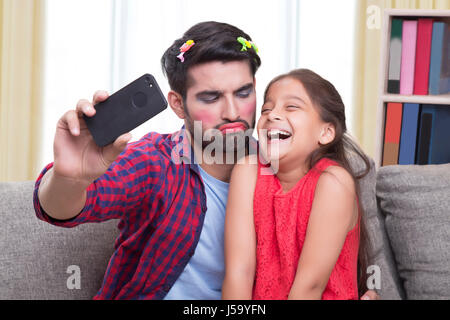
(41, 261)
(379, 250)
(416, 202)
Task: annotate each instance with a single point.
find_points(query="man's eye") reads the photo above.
(209, 99)
(264, 110)
(244, 94)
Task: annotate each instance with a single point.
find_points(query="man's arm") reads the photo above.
(78, 161)
(240, 238)
(61, 198)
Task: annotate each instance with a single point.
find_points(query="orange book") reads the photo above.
(393, 127)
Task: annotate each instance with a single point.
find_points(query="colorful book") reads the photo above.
(423, 51)
(408, 138)
(423, 143)
(437, 46)
(409, 37)
(393, 126)
(434, 133)
(444, 85)
(395, 56)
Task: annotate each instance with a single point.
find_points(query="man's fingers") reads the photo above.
(99, 96)
(85, 107)
(121, 142)
(71, 118)
(370, 295)
(111, 152)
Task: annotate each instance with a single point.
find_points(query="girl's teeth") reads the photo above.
(278, 134)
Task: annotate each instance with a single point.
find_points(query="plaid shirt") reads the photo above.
(160, 200)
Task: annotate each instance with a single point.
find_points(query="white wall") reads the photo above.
(105, 44)
(326, 44)
(77, 58)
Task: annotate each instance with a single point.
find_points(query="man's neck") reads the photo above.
(221, 172)
(217, 166)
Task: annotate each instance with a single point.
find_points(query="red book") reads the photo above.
(393, 128)
(423, 55)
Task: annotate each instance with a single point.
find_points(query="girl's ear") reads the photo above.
(175, 101)
(327, 134)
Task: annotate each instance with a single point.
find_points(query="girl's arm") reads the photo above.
(334, 213)
(240, 238)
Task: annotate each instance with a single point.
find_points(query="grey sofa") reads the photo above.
(406, 210)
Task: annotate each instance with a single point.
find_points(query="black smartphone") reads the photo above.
(126, 109)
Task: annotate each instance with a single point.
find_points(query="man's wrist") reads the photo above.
(62, 198)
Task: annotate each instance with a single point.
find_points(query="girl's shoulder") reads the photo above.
(335, 173)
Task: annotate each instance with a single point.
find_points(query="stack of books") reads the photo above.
(416, 134)
(419, 60)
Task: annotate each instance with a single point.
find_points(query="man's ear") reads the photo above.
(327, 134)
(175, 101)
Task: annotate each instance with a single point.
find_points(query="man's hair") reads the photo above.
(214, 41)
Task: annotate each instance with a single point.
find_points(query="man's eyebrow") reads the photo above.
(217, 92)
(208, 93)
(245, 87)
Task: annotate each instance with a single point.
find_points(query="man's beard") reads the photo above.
(218, 145)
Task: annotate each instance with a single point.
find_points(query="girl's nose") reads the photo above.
(274, 115)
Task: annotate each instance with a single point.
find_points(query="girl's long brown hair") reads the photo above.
(328, 103)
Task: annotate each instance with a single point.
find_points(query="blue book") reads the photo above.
(444, 86)
(434, 146)
(437, 45)
(408, 138)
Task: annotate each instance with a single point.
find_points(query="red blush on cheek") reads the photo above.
(202, 116)
(248, 110)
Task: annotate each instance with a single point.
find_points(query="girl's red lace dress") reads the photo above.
(281, 220)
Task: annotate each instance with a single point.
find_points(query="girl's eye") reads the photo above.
(292, 107)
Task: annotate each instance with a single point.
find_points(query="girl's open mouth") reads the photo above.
(277, 134)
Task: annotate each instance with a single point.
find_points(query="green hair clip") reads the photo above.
(247, 44)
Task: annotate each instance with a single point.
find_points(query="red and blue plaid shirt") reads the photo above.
(159, 197)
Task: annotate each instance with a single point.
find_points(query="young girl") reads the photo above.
(295, 233)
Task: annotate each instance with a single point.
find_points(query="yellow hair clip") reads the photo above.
(185, 48)
(247, 44)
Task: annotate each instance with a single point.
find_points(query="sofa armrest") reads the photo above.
(36, 257)
(379, 249)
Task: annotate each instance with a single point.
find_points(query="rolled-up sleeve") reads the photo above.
(126, 183)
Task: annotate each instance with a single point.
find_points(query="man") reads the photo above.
(171, 212)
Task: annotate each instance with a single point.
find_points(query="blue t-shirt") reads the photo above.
(203, 276)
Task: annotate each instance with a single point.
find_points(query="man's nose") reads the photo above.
(230, 110)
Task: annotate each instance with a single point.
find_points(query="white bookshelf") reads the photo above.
(383, 96)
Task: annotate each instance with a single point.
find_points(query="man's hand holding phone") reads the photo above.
(78, 161)
(76, 155)
(90, 138)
